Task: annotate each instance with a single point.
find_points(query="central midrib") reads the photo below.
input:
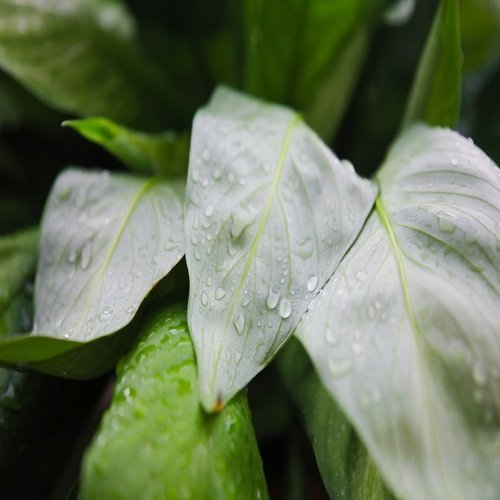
(267, 208)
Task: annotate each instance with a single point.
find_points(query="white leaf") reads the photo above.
(406, 334)
(106, 240)
(269, 213)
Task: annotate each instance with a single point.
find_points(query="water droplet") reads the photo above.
(86, 255)
(209, 210)
(194, 239)
(206, 155)
(331, 338)
(197, 255)
(446, 226)
(239, 322)
(361, 276)
(209, 281)
(204, 299)
(454, 162)
(285, 308)
(72, 257)
(105, 315)
(339, 368)
(220, 293)
(479, 374)
(272, 299)
(266, 167)
(195, 175)
(312, 283)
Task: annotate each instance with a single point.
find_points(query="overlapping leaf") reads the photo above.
(270, 211)
(308, 54)
(406, 336)
(155, 420)
(436, 92)
(106, 240)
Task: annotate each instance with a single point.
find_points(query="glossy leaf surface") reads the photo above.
(436, 94)
(308, 54)
(405, 335)
(155, 420)
(270, 211)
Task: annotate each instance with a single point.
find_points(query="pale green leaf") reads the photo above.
(406, 336)
(106, 240)
(270, 211)
(163, 154)
(436, 94)
(308, 54)
(156, 422)
(81, 56)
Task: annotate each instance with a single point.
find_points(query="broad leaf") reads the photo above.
(106, 240)
(436, 93)
(405, 335)
(18, 257)
(270, 211)
(480, 33)
(343, 461)
(155, 421)
(81, 56)
(163, 154)
(308, 54)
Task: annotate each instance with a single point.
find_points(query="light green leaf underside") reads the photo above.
(79, 56)
(269, 213)
(106, 240)
(18, 255)
(405, 335)
(155, 420)
(308, 54)
(436, 93)
(164, 154)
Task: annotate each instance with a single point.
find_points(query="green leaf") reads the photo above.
(436, 93)
(155, 420)
(345, 466)
(405, 334)
(106, 240)
(18, 257)
(270, 211)
(164, 154)
(308, 54)
(480, 33)
(81, 56)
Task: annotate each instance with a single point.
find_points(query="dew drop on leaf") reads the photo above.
(285, 308)
(239, 322)
(312, 283)
(220, 293)
(272, 299)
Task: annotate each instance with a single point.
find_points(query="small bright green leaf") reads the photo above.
(308, 54)
(163, 154)
(18, 257)
(81, 56)
(405, 335)
(156, 422)
(106, 240)
(270, 211)
(436, 93)
(345, 466)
